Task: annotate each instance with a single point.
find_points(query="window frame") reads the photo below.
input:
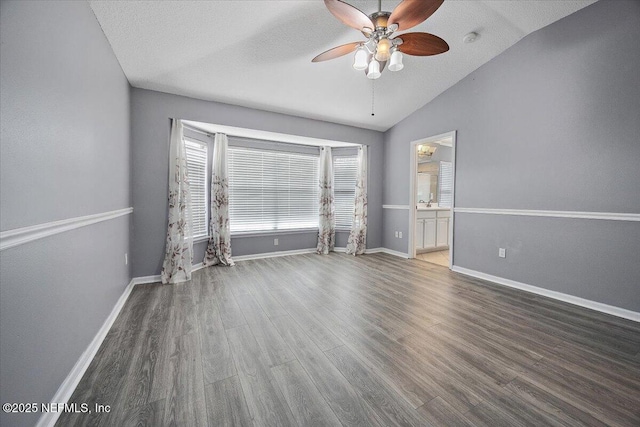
(352, 192)
(189, 137)
(441, 181)
(207, 138)
(278, 149)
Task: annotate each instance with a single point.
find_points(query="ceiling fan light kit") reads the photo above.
(361, 60)
(373, 72)
(372, 55)
(383, 50)
(396, 61)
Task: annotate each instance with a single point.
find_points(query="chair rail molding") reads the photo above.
(19, 236)
(611, 216)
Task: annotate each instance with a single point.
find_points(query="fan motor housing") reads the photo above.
(380, 19)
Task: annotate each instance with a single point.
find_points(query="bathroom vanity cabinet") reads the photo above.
(432, 229)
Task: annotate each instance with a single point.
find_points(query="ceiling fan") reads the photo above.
(372, 55)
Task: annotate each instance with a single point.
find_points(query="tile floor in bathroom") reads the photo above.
(439, 257)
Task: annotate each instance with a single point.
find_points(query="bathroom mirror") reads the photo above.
(427, 182)
(434, 175)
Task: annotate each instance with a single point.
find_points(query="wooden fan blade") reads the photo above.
(348, 14)
(422, 44)
(336, 52)
(410, 13)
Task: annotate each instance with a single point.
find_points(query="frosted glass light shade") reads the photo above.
(396, 61)
(374, 70)
(360, 60)
(383, 51)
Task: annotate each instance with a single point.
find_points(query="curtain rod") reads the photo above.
(196, 130)
(191, 128)
(250, 139)
(274, 142)
(265, 135)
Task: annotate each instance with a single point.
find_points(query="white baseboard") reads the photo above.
(146, 279)
(377, 251)
(66, 389)
(390, 252)
(156, 278)
(273, 254)
(70, 383)
(297, 252)
(593, 305)
(367, 251)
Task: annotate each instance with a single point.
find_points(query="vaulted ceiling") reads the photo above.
(258, 53)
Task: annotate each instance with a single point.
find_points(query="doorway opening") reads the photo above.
(431, 200)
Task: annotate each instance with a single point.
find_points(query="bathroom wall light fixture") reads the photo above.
(426, 150)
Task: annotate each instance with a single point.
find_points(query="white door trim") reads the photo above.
(413, 171)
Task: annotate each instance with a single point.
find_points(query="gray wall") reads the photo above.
(151, 112)
(64, 153)
(550, 124)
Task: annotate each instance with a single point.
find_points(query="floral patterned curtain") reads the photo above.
(357, 242)
(219, 247)
(179, 249)
(327, 221)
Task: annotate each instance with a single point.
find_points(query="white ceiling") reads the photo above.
(258, 53)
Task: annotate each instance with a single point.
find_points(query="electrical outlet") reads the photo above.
(275, 242)
(400, 234)
(396, 234)
(126, 259)
(502, 252)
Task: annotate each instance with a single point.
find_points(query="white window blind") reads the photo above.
(345, 170)
(197, 168)
(272, 190)
(445, 185)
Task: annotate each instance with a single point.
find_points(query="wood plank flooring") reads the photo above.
(372, 340)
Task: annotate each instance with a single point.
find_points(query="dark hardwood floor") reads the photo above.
(372, 340)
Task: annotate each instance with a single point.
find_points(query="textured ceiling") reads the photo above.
(258, 53)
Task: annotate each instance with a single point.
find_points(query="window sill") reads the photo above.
(200, 239)
(273, 232)
(270, 233)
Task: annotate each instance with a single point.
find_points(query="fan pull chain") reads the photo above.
(373, 97)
